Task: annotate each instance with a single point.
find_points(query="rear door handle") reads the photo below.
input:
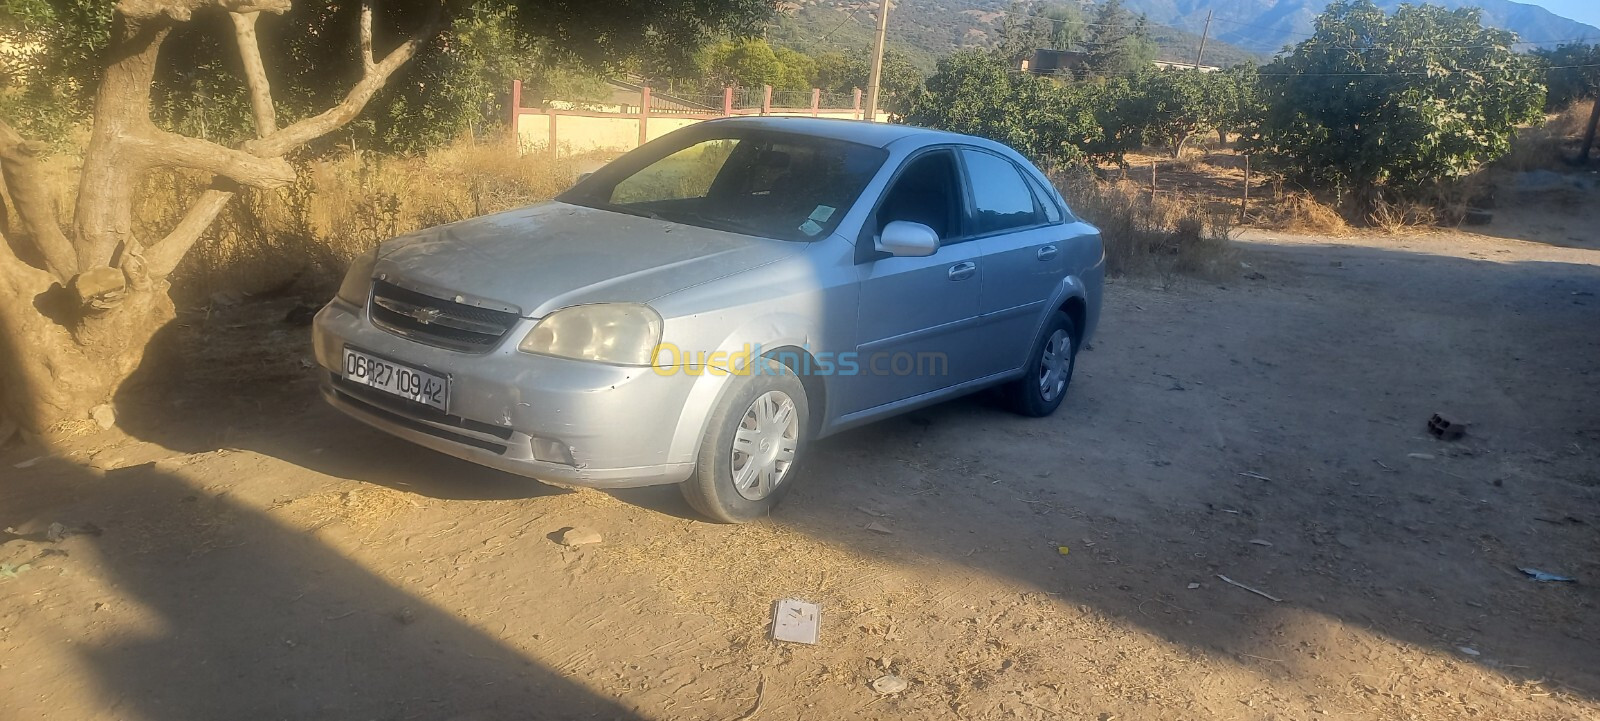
(1047, 252)
(963, 271)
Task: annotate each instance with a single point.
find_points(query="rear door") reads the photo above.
(1019, 230)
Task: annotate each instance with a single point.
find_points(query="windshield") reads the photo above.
(751, 181)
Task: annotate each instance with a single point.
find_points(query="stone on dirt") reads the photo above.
(104, 416)
(580, 536)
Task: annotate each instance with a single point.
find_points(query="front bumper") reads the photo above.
(563, 421)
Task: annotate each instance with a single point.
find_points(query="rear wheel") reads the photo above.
(753, 442)
(1044, 382)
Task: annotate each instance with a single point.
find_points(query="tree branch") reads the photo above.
(162, 257)
(255, 72)
(371, 82)
(181, 151)
(35, 209)
(367, 60)
(183, 10)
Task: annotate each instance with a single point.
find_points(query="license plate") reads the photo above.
(389, 377)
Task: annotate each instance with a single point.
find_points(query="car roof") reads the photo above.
(877, 135)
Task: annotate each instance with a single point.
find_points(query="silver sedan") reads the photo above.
(699, 310)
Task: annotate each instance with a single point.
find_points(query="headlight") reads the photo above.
(621, 333)
(358, 280)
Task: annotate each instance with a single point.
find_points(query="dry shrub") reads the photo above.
(1164, 235)
(1301, 213)
(1400, 215)
(1549, 145)
(306, 233)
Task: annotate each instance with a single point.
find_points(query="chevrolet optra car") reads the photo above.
(699, 310)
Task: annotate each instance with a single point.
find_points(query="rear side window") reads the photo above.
(1052, 212)
(1001, 199)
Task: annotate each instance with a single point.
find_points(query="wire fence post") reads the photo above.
(1152, 181)
(1244, 203)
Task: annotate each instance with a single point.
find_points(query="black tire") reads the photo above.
(1026, 395)
(712, 490)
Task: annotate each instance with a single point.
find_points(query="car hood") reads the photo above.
(549, 256)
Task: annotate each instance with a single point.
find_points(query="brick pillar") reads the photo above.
(516, 107)
(857, 105)
(727, 100)
(816, 102)
(766, 100)
(644, 114)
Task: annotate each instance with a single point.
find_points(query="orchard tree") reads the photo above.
(974, 92)
(1381, 105)
(1181, 104)
(1572, 74)
(83, 294)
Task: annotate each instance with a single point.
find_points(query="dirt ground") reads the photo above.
(237, 550)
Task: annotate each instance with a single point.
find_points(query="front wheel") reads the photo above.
(753, 442)
(1043, 384)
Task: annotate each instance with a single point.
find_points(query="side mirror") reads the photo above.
(584, 176)
(905, 239)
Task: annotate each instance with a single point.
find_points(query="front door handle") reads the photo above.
(1047, 252)
(963, 271)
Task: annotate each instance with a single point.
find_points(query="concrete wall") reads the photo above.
(584, 131)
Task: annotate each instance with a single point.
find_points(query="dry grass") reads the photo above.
(268, 240)
(367, 509)
(1160, 234)
(1548, 146)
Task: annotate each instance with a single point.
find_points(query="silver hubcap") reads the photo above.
(1054, 365)
(764, 445)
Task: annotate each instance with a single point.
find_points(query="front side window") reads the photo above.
(1001, 199)
(752, 181)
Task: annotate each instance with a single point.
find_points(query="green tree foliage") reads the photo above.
(976, 93)
(839, 74)
(50, 57)
(1180, 104)
(457, 84)
(1383, 104)
(1118, 42)
(1572, 73)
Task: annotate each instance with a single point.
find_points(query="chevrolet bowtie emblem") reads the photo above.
(426, 316)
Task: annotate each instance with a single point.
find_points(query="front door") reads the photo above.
(917, 322)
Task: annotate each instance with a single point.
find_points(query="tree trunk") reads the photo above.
(78, 311)
(51, 372)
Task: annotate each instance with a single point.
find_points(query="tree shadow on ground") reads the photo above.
(1422, 557)
(273, 624)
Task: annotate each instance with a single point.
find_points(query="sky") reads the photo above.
(1584, 11)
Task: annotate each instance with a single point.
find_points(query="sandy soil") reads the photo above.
(246, 553)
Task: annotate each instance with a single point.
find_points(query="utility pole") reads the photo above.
(1201, 56)
(877, 61)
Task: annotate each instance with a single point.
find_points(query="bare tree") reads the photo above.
(80, 301)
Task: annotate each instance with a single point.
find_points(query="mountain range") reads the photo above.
(1241, 30)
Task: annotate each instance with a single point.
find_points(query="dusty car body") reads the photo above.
(834, 272)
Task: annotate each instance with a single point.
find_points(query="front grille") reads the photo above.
(437, 321)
